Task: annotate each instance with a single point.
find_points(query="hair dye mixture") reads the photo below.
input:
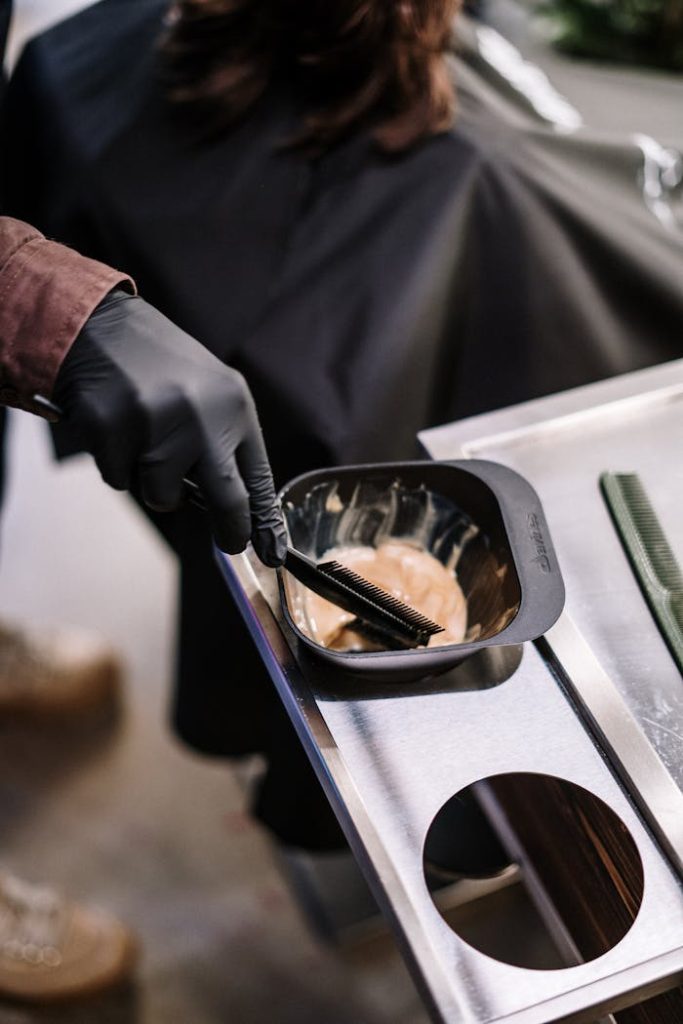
(407, 572)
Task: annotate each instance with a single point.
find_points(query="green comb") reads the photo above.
(652, 560)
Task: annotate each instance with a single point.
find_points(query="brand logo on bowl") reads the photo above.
(538, 540)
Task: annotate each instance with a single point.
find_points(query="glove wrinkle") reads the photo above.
(153, 405)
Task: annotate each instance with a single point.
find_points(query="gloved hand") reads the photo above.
(153, 405)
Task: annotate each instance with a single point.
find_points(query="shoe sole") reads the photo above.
(119, 973)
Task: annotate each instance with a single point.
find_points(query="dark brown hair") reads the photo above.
(376, 64)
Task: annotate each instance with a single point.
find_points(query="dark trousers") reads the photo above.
(225, 704)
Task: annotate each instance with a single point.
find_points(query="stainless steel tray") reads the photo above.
(614, 659)
(388, 760)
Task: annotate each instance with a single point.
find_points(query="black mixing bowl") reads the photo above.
(479, 516)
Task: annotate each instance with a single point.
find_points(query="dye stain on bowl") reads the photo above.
(470, 519)
(401, 569)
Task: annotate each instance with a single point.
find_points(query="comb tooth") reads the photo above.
(646, 522)
(653, 562)
(378, 594)
(410, 618)
(373, 593)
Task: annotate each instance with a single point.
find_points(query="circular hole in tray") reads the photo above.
(533, 871)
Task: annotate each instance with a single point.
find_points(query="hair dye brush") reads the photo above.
(379, 614)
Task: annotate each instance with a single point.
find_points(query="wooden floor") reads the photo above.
(115, 812)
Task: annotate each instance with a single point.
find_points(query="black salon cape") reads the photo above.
(363, 297)
(5, 15)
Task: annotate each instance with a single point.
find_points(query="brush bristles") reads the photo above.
(409, 617)
(385, 640)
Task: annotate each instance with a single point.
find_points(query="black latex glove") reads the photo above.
(153, 405)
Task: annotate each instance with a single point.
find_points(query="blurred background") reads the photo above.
(117, 813)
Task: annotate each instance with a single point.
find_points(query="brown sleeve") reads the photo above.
(47, 292)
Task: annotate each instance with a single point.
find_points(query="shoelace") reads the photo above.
(31, 922)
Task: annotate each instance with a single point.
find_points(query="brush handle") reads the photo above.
(305, 570)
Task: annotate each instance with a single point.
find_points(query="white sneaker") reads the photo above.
(57, 671)
(51, 949)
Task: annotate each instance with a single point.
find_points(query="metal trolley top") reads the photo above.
(598, 702)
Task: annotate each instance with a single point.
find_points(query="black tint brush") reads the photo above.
(379, 614)
(386, 616)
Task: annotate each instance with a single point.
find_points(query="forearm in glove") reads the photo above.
(154, 406)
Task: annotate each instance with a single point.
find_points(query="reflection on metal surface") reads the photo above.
(658, 796)
(554, 832)
(589, 844)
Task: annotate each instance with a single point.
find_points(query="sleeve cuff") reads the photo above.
(47, 292)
